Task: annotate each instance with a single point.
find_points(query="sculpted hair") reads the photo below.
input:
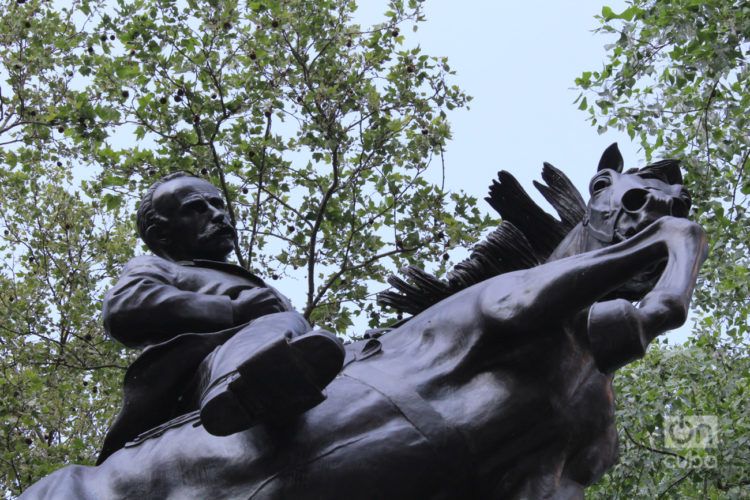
(147, 217)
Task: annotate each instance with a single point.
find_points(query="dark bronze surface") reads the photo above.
(500, 386)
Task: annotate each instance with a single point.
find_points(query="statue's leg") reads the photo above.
(266, 329)
(618, 331)
(273, 369)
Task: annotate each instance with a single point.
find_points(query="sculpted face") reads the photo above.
(199, 226)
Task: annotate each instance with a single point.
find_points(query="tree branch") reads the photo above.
(314, 233)
(646, 447)
(675, 483)
(365, 263)
(259, 194)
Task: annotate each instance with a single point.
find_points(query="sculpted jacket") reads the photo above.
(179, 312)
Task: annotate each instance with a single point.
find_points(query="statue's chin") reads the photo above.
(218, 247)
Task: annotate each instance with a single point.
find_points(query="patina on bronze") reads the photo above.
(498, 387)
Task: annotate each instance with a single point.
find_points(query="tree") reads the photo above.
(60, 378)
(677, 79)
(319, 132)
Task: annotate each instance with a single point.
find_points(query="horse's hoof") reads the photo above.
(615, 334)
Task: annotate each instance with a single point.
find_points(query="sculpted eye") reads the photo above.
(195, 206)
(680, 208)
(599, 183)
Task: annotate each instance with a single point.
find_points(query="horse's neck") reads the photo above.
(434, 344)
(450, 336)
(478, 378)
(578, 240)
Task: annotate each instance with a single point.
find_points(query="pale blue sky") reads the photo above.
(519, 61)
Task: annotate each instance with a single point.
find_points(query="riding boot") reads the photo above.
(273, 382)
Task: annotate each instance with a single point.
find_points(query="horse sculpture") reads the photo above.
(498, 387)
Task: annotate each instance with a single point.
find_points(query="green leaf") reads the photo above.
(608, 14)
(111, 201)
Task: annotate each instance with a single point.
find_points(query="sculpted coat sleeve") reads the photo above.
(146, 308)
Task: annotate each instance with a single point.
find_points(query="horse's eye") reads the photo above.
(686, 198)
(600, 183)
(680, 208)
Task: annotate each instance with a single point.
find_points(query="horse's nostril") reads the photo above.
(634, 199)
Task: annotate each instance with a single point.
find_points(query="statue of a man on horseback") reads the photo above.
(499, 386)
(221, 345)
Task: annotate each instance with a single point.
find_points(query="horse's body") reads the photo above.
(500, 391)
(357, 444)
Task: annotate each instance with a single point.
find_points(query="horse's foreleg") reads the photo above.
(619, 332)
(527, 300)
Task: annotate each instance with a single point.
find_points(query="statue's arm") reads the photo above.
(146, 308)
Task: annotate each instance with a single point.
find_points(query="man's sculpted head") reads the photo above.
(182, 217)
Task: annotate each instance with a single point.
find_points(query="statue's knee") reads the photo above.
(288, 323)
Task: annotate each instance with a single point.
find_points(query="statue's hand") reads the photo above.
(253, 303)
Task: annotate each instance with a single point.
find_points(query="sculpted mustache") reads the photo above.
(222, 229)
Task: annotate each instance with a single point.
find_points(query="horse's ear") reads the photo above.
(611, 158)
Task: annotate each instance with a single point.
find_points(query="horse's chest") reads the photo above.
(543, 402)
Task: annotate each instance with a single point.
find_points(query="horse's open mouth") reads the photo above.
(651, 273)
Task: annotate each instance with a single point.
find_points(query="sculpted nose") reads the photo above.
(218, 215)
(658, 203)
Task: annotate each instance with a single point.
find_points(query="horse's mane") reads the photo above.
(525, 238)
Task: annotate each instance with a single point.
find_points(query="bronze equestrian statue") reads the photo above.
(500, 385)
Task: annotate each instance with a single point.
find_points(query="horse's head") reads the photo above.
(623, 203)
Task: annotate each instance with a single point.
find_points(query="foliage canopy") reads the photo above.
(321, 133)
(677, 78)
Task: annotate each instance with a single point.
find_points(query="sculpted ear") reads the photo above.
(611, 158)
(156, 235)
